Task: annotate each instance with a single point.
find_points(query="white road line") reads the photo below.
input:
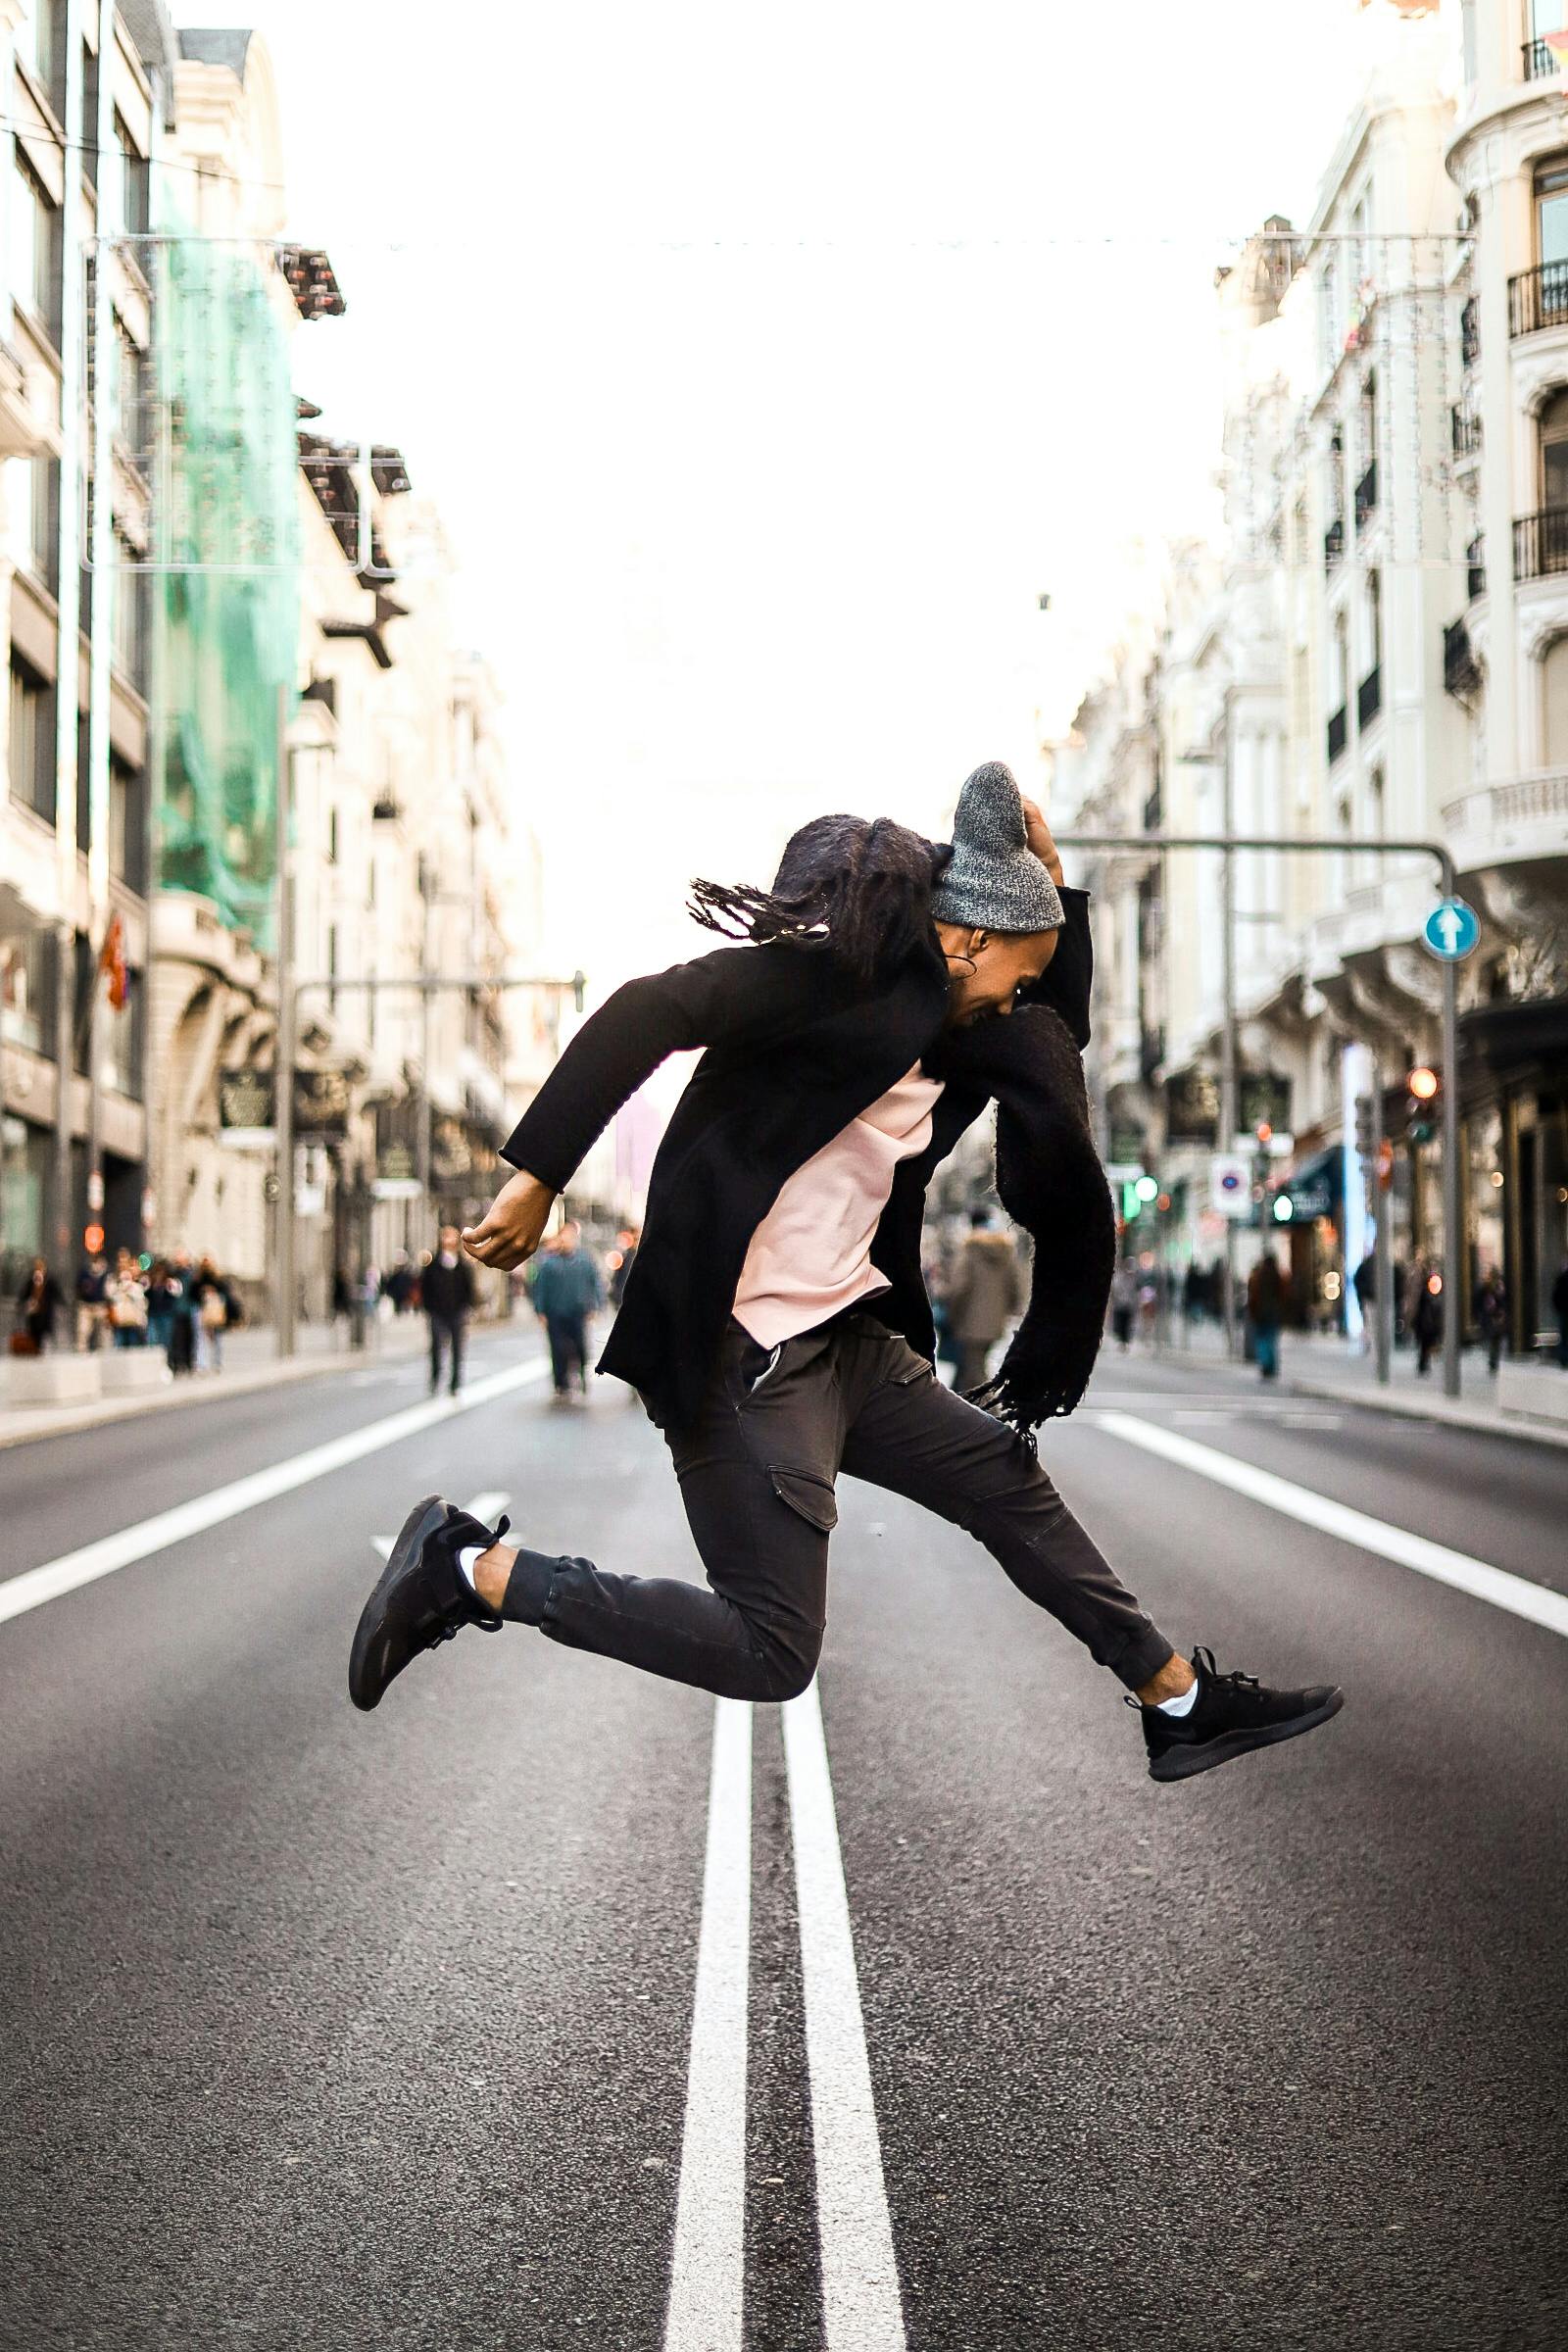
(708, 2279)
(860, 2307)
(487, 1507)
(35, 1585)
(1516, 1594)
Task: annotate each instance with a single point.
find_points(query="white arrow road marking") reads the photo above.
(1516, 1594)
(708, 2274)
(486, 1507)
(860, 2307)
(35, 1585)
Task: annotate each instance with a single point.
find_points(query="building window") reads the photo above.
(129, 606)
(127, 825)
(1554, 703)
(36, 249)
(1328, 313)
(32, 740)
(41, 47)
(29, 992)
(1551, 211)
(1374, 619)
(1554, 453)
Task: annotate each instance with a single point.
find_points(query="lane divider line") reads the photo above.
(708, 2271)
(1505, 1590)
(860, 2305)
(74, 1569)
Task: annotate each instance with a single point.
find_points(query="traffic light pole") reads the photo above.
(1313, 845)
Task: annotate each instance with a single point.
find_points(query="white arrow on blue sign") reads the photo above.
(1452, 930)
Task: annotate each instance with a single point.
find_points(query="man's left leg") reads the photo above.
(915, 1438)
(456, 1335)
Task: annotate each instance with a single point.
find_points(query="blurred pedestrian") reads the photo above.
(180, 1289)
(92, 1302)
(986, 1291)
(126, 1294)
(1268, 1294)
(400, 1285)
(160, 1306)
(566, 1291)
(1491, 1314)
(1123, 1303)
(1426, 1318)
(214, 1307)
(38, 1303)
(446, 1289)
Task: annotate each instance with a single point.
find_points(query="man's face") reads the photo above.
(570, 1235)
(449, 1237)
(1001, 963)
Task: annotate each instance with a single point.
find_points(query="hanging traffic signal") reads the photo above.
(1425, 1089)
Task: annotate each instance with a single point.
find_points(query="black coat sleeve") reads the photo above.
(1066, 982)
(732, 996)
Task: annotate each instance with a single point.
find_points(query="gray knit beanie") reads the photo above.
(994, 880)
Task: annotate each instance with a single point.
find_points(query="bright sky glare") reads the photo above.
(767, 365)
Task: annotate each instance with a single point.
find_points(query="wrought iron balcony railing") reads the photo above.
(1461, 672)
(1538, 63)
(1541, 544)
(1470, 332)
(1466, 432)
(1538, 298)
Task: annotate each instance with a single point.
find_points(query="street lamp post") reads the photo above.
(1310, 845)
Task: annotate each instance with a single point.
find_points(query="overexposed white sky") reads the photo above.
(767, 364)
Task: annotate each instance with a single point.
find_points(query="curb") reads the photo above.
(67, 1421)
(1438, 1408)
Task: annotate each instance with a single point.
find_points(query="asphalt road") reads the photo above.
(333, 2031)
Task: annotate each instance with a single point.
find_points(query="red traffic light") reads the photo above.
(1423, 1083)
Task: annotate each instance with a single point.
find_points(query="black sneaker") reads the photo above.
(1231, 1714)
(422, 1598)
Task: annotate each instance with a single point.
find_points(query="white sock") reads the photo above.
(1183, 1706)
(468, 1559)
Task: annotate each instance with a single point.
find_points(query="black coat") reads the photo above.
(446, 1292)
(795, 1052)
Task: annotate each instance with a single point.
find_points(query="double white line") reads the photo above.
(862, 2310)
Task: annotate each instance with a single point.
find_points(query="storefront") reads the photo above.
(1515, 1059)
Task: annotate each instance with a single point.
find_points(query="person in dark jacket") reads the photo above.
(566, 1291)
(1426, 1313)
(38, 1303)
(987, 1290)
(776, 1323)
(1268, 1295)
(446, 1292)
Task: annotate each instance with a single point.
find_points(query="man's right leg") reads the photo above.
(559, 1367)
(435, 1354)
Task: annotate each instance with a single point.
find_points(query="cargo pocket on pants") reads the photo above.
(809, 1496)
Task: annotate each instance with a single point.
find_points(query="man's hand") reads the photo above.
(513, 1225)
(1040, 841)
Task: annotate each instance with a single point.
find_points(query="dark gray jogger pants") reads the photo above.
(757, 1471)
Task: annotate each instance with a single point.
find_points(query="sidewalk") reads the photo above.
(249, 1363)
(1321, 1364)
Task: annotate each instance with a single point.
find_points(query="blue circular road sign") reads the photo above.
(1452, 930)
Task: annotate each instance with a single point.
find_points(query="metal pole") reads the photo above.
(1452, 1238)
(1382, 1236)
(283, 1056)
(101, 589)
(68, 636)
(423, 1163)
(1229, 1118)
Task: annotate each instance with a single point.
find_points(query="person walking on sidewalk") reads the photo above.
(988, 1291)
(126, 1294)
(566, 1291)
(1268, 1294)
(1426, 1318)
(1123, 1301)
(776, 1324)
(1491, 1316)
(446, 1290)
(38, 1303)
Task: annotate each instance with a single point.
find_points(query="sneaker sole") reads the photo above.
(420, 1522)
(1183, 1763)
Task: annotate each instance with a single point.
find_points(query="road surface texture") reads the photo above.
(554, 2007)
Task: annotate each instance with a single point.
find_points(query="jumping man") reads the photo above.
(775, 1322)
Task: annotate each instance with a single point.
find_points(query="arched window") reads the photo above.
(1554, 703)
(1553, 440)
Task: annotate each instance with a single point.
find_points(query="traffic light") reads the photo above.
(1425, 1091)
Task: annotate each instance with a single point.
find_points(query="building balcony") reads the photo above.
(1339, 730)
(1538, 298)
(1465, 433)
(1524, 820)
(1461, 671)
(1334, 543)
(1537, 62)
(1367, 495)
(1470, 332)
(1541, 544)
(1369, 697)
(1476, 569)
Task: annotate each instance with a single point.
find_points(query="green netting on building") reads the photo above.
(228, 549)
